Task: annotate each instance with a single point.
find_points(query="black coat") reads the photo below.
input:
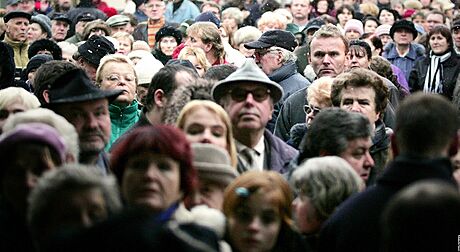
(356, 224)
(451, 69)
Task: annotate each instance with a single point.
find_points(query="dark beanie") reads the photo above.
(169, 31)
(36, 61)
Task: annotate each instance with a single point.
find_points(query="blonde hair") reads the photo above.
(126, 35)
(116, 58)
(245, 34)
(369, 9)
(208, 33)
(234, 13)
(272, 18)
(320, 90)
(198, 53)
(220, 112)
(13, 94)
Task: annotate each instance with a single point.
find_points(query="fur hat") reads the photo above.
(354, 25)
(44, 22)
(213, 164)
(249, 72)
(95, 48)
(166, 31)
(403, 24)
(99, 24)
(45, 44)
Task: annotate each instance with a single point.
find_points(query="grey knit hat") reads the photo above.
(251, 73)
(213, 164)
(44, 22)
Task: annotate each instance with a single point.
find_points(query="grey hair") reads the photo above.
(66, 130)
(331, 131)
(287, 55)
(327, 182)
(69, 177)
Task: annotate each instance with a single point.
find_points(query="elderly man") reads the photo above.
(363, 91)
(60, 25)
(155, 11)
(403, 53)
(16, 23)
(74, 96)
(82, 20)
(328, 50)
(248, 96)
(117, 23)
(274, 55)
(425, 136)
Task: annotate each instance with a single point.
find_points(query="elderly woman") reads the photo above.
(258, 209)
(321, 184)
(167, 39)
(318, 97)
(197, 57)
(437, 72)
(154, 169)
(233, 18)
(71, 197)
(271, 21)
(39, 28)
(207, 122)
(245, 35)
(125, 42)
(26, 152)
(117, 72)
(14, 100)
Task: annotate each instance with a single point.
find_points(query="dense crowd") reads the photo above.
(227, 125)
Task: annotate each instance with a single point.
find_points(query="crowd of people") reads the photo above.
(226, 125)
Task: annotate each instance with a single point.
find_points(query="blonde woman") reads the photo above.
(207, 122)
(125, 42)
(272, 21)
(198, 58)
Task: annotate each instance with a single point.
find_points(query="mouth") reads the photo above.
(248, 114)
(365, 176)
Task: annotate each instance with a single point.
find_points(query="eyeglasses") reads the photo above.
(259, 94)
(309, 108)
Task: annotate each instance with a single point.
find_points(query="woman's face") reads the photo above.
(120, 76)
(151, 181)
(304, 211)
(370, 26)
(344, 17)
(386, 17)
(385, 38)
(124, 46)
(438, 43)
(230, 21)
(204, 126)
(199, 68)
(254, 225)
(35, 32)
(167, 45)
(11, 108)
(321, 7)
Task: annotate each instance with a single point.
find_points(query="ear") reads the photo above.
(46, 95)
(207, 47)
(394, 145)
(159, 98)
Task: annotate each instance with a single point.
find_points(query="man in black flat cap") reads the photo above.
(91, 52)
(274, 52)
(16, 23)
(60, 25)
(74, 96)
(82, 20)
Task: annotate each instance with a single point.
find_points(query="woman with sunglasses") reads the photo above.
(318, 97)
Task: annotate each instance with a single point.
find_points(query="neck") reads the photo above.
(402, 49)
(248, 138)
(211, 58)
(300, 22)
(89, 158)
(154, 116)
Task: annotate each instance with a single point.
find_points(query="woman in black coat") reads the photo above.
(437, 72)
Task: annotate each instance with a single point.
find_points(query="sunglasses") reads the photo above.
(259, 94)
(308, 109)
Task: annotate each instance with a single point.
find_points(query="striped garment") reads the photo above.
(152, 29)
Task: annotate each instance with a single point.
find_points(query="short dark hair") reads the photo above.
(445, 32)
(219, 72)
(165, 79)
(331, 131)
(425, 124)
(360, 77)
(343, 7)
(360, 45)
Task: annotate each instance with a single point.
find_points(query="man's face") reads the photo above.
(357, 60)
(155, 9)
(26, 6)
(268, 59)
(16, 29)
(249, 106)
(403, 36)
(300, 9)
(327, 56)
(456, 37)
(65, 4)
(89, 68)
(80, 26)
(358, 156)
(91, 119)
(59, 29)
(194, 40)
(120, 28)
(432, 20)
(361, 100)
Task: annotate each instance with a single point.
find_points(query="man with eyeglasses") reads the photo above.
(248, 96)
(155, 11)
(274, 53)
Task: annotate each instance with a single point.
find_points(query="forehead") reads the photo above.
(366, 92)
(303, 2)
(359, 143)
(17, 20)
(327, 44)
(434, 17)
(154, 1)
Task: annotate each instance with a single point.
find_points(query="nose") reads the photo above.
(249, 99)
(152, 171)
(327, 59)
(206, 136)
(91, 121)
(86, 220)
(255, 225)
(187, 42)
(31, 180)
(355, 107)
(369, 161)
